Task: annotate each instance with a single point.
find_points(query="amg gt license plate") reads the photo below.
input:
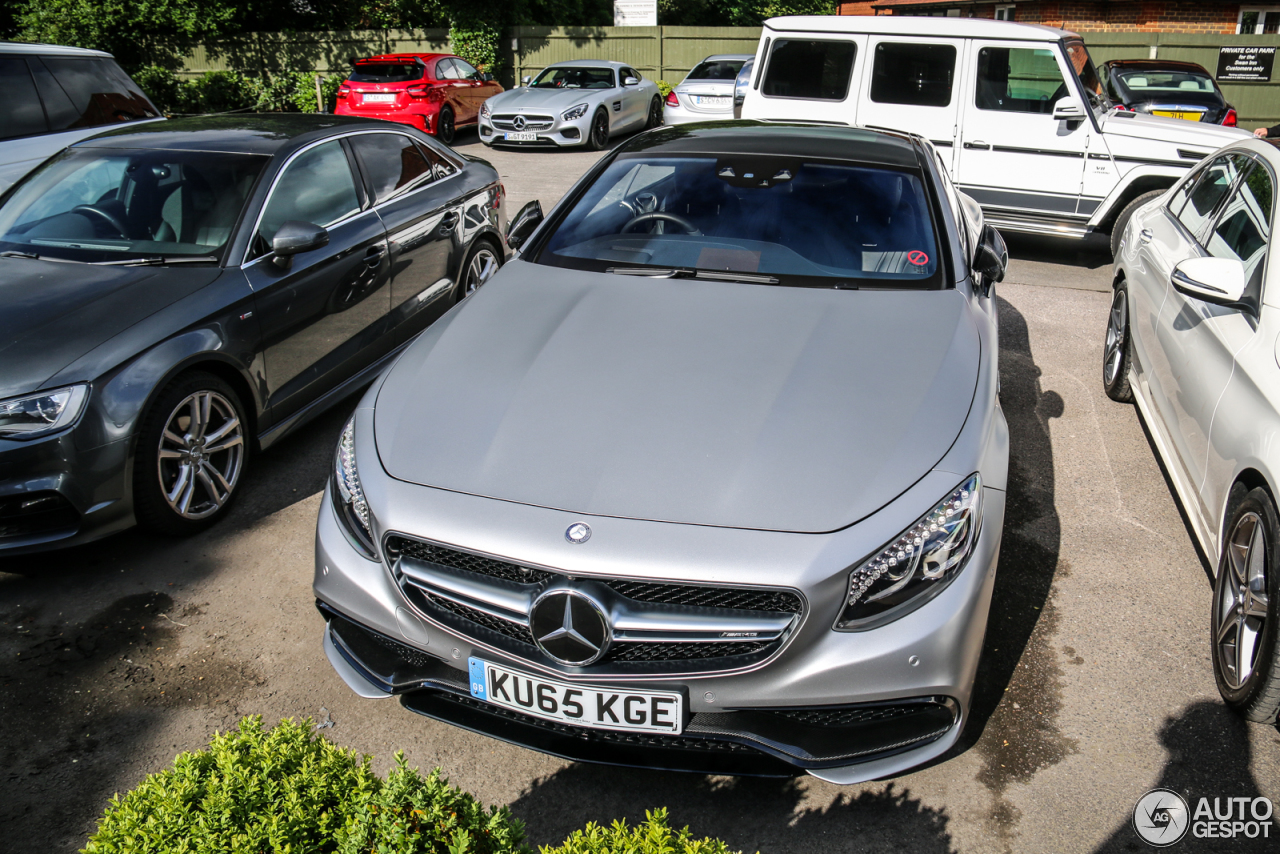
(713, 101)
(580, 705)
(380, 99)
(1178, 114)
(520, 136)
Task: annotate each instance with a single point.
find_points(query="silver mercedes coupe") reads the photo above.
(710, 477)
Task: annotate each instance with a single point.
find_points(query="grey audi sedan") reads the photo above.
(710, 477)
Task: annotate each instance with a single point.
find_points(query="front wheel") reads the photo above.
(655, 114)
(444, 126)
(191, 456)
(482, 262)
(1126, 214)
(598, 136)
(1243, 624)
(1115, 351)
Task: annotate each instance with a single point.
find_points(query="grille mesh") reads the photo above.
(848, 717)
(408, 653)
(736, 598)
(515, 631)
(624, 651)
(467, 561)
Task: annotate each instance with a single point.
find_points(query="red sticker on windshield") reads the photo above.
(915, 256)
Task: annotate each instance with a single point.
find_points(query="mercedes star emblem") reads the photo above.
(578, 533)
(518, 122)
(570, 627)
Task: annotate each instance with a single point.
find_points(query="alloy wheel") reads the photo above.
(1117, 325)
(600, 131)
(201, 455)
(484, 263)
(1240, 612)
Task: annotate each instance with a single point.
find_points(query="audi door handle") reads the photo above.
(1146, 234)
(449, 221)
(373, 256)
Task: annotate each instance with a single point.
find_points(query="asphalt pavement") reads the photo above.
(1096, 683)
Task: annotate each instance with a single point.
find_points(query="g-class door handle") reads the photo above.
(979, 144)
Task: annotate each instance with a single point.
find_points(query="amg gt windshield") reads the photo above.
(572, 77)
(752, 218)
(103, 205)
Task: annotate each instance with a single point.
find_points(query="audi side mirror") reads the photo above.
(295, 237)
(1068, 109)
(1219, 281)
(525, 222)
(631, 81)
(991, 258)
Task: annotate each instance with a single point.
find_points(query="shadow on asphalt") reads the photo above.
(1092, 252)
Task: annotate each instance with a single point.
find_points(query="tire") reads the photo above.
(655, 114)
(180, 485)
(1246, 609)
(445, 130)
(482, 262)
(1126, 214)
(598, 135)
(1116, 349)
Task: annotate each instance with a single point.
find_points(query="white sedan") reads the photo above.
(581, 102)
(1193, 339)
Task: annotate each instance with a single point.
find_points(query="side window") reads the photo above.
(19, 103)
(317, 187)
(441, 165)
(915, 74)
(391, 162)
(1245, 225)
(809, 68)
(1210, 189)
(1019, 80)
(631, 72)
(465, 70)
(446, 70)
(99, 93)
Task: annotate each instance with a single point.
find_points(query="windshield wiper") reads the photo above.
(653, 272)
(159, 261)
(687, 273)
(13, 254)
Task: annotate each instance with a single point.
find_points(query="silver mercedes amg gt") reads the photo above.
(710, 477)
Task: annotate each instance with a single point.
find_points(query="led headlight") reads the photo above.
(574, 113)
(484, 110)
(348, 497)
(918, 564)
(41, 414)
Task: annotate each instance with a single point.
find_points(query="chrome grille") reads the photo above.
(465, 560)
(507, 122)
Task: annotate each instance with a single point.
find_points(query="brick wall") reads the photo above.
(1090, 16)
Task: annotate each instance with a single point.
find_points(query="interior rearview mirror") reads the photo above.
(1068, 109)
(631, 81)
(991, 258)
(293, 237)
(1219, 281)
(525, 222)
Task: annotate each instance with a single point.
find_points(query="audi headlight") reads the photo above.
(574, 113)
(348, 497)
(918, 564)
(484, 110)
(41, 414)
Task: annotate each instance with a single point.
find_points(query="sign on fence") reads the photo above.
(635, 13)
(1245, 63)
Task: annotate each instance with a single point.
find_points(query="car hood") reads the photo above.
(56, 312)
(710, 403)
(1142, 126)
(528, 98)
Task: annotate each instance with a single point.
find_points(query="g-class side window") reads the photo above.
(809, 68)
(917, 74)
(1019, 80)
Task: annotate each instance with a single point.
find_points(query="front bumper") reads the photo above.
(559, 133)
(920, 666)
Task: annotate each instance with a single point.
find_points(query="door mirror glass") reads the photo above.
(526, 221)
(1068, 109)
(294, 237)
(631, 81)
(991, 258)
(1220, 281)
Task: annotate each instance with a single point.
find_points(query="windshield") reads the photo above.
(386, 72)
(574, 78)
(99, 205)
(752, 218)
(1088, 75)
(718, 69)
(1164, 81)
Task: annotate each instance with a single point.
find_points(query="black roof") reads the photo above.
(796, 139)
(250, 133)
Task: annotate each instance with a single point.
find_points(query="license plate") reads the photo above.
(1178, 114)
(579, 705)
(380, 99)
(520, 136)
(713, 100)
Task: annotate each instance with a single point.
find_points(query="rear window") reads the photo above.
(915, 74)
(81, 93)
(386, 72)
(809, 68)
(1164, 81)
(19, 103)
(719, 69)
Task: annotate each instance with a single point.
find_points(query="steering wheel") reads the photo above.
(109, 218)
(654, 216)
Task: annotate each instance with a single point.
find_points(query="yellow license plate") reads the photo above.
(1172, 114)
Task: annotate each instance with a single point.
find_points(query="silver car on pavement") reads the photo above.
(706, 93)
(581, 102)
(1193, 338)
(710, 477)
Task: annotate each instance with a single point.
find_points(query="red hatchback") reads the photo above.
(435, 92)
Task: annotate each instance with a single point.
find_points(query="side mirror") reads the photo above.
(526, 80)
(486, 77)
(1068, 109)
(1219, 281)
(295, 237)
(991, 258)
(631, 81)
(526, 221)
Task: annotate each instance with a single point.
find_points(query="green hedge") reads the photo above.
(290, 791)
(231, 91)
